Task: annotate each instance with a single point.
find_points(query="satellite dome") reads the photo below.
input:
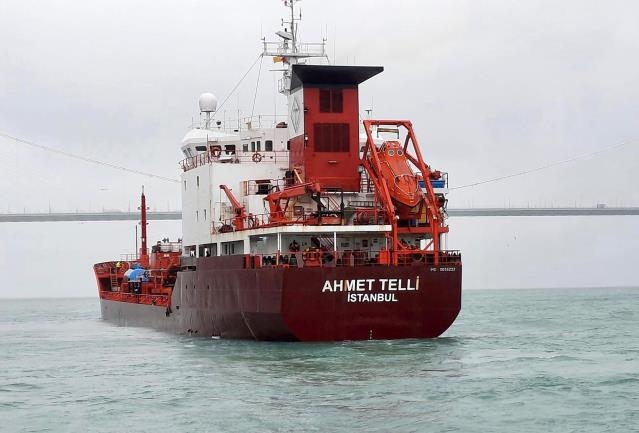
(208, 102)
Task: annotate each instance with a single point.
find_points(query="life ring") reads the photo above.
(257, 157)
(216, 151)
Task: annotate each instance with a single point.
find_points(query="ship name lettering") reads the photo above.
(397, 285)
(383, 281)
(369, 285)
(371, 297)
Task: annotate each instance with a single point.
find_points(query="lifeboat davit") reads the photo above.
(403, 185)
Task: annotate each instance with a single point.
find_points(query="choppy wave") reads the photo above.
(532, 360)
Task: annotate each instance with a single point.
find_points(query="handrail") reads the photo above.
(353, 258)
(254, 221)
(142, 298)
(251, 186)
(239, 156)
(231, 124)
(308, 218)
(306, 49)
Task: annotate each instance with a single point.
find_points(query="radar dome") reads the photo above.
(208, 102)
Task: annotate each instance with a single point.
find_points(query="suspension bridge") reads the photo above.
(452, 212)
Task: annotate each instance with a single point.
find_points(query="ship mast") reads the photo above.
(144, 254)
(293, 24)
(288, 50)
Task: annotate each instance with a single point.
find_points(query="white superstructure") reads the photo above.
(228, 173)
(214, 158)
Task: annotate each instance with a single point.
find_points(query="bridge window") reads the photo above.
(245, 147)
(197, 181)
(331, 137)
(258, 146)
(200, 148)
(331, 101)
(268, 145)
(252, 146)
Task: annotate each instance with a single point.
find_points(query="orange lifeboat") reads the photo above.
(402, 183)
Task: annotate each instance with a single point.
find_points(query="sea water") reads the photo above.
(515, 361)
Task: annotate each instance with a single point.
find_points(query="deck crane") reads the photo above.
(277, 212)
(238, 209)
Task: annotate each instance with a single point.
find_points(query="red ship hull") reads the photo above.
(223, 299)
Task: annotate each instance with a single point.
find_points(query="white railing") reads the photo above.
(236, 157)
(257, 121)
(309, 49)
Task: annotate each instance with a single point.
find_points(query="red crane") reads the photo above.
(238, 209)
(277, 212)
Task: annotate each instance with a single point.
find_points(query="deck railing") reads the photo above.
(363, 216)
(158, 300)
(235, 157)
(352, 258)
(276, 219)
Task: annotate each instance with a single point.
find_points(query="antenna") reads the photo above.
(293, 25)
(288, 50)
(208, 105)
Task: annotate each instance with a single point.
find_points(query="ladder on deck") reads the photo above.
(366, 184)
(114, 281)
(327, 242)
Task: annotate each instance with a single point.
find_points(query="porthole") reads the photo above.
(400, 152)
(391, 153)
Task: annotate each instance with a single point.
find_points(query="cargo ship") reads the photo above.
(319, 226)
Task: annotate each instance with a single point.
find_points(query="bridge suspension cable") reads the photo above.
(120, 167)
(86, 159)
(542, 167)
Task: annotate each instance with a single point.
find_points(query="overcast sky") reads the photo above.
(492, 87)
